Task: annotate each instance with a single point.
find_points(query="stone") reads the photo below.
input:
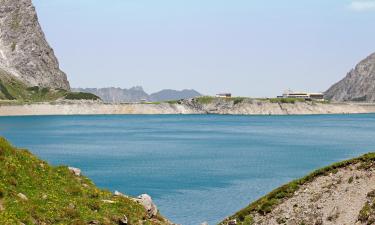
(94, 222)
(108, 201)
(232, 222)
(117, 193)
(123, 221)
(148, 204)
(204, 223)
(24, 51)
(75, 171)
(22, 196)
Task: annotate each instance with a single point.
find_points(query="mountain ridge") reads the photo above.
(137, 94)
(358, 85)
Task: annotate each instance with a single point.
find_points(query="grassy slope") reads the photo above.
(265, 204)
(55, 195)
(15, 90)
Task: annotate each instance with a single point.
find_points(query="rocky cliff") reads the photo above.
(24, 51)
(343, 193)
(358, 85)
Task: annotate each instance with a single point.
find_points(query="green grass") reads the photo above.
(56, 196)
(205, 100)
(266, 204)
(13, 89)
(286, 100)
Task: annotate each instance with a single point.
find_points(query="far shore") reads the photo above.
(245, 108)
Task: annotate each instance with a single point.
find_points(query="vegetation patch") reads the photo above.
(33, 192)
(267, 203)
(205, 99)
(286, 100)
(81, 96)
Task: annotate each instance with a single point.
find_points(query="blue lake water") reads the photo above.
(196, 167)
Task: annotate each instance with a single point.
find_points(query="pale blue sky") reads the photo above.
(247, 47)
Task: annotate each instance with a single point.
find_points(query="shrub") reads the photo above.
(81, 96)
(238, 100)
(364, 214)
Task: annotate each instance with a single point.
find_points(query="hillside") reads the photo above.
(358, 85)
(137, 94)
(343, 193)
(33, 192)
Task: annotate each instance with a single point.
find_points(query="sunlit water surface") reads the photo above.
(196, 167)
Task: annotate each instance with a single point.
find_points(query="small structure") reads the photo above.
(224, 95)
(303, 95)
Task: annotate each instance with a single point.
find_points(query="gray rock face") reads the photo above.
(358, 85)
(24, 51)
(149, 205)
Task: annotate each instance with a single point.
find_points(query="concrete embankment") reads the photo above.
(187, 107)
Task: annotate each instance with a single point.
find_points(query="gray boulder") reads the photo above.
(149, 205)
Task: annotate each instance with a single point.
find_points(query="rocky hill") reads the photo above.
(358, 85)
(33, 192)
(136, 94)
(343, 193)
(24, 51)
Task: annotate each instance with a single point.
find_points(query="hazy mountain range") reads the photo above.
(137, 94)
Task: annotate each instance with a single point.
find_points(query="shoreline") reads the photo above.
(185, 108)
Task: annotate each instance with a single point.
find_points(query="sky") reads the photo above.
(256, 48)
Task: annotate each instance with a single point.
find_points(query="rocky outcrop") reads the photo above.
(148, 204)
(24, 51)
(358, 85)
(339, 194)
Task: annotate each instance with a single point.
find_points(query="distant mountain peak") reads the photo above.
(358, 85)
(137, 94)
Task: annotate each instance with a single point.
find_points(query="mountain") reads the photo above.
(358, 85)
(116, 95)
(168, 94)
(343, 193)
(24, 51)
(137, 94)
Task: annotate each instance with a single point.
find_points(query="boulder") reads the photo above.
(146, 201)
(75, 171)
(119, 194)
(123, 221)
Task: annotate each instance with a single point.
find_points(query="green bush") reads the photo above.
(81, 96)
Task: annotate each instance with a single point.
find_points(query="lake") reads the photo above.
(196, 167)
